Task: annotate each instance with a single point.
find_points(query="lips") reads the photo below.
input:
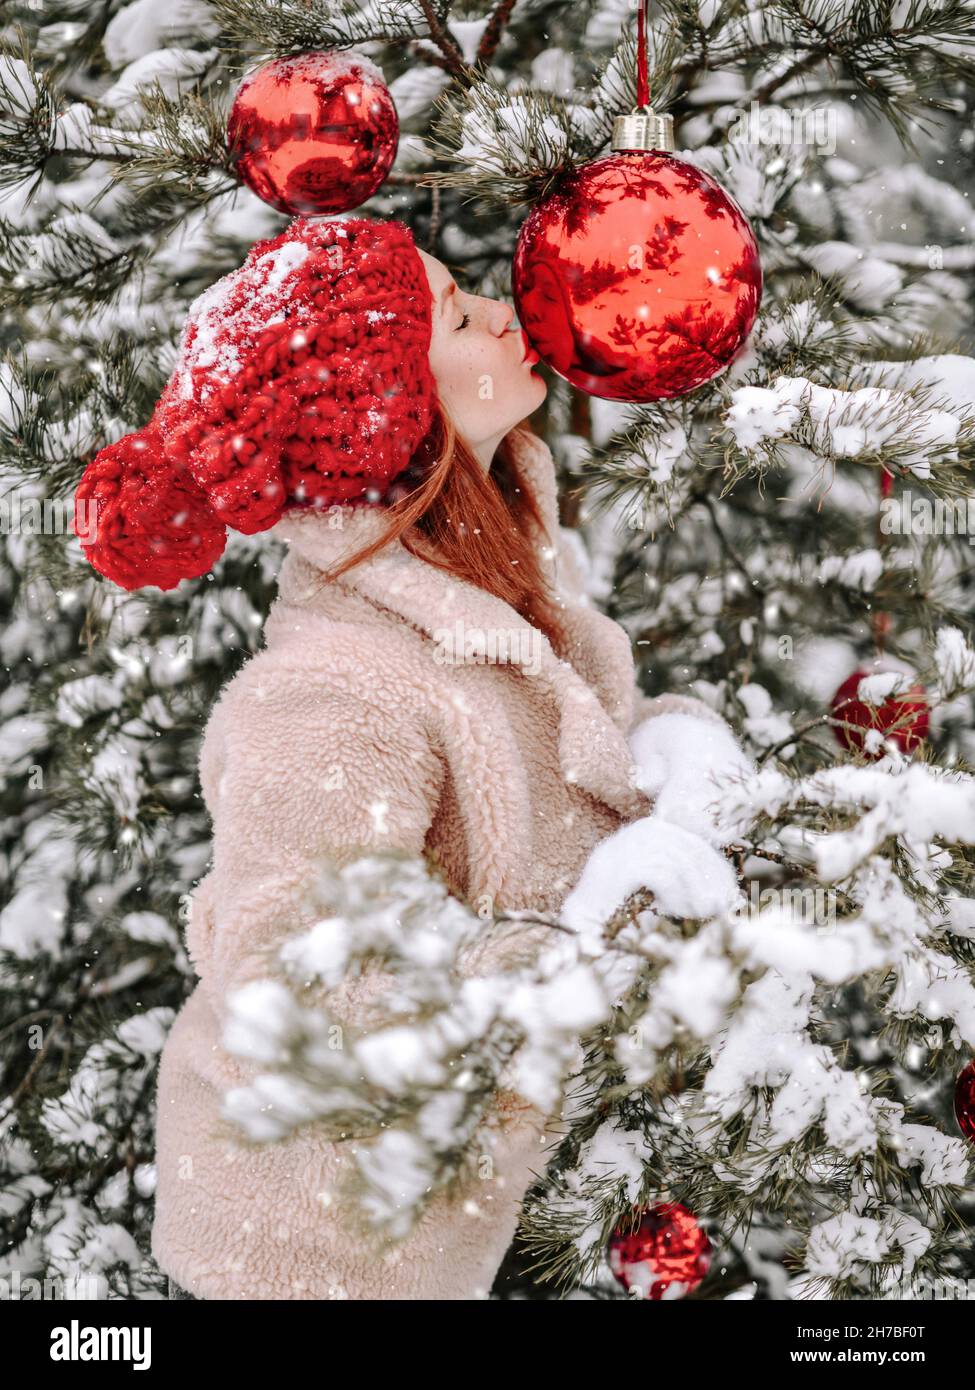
(529, 354)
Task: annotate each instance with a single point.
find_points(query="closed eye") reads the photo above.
(463, 323)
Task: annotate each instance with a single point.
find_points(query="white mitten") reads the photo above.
(683, 760)
(687, 876)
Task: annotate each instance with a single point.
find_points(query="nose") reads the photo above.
(512, 319)
(505, 314)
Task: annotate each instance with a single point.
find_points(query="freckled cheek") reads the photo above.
(470, 367)
(501, 367)
(462, 371)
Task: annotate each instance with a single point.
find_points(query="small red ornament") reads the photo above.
(665, 1257)
(638, 278)
(965, 1101)
(907, 709)
(313, 133)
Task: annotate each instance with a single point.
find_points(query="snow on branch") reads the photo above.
(507, 145)
(871, 424)
(416, 1015)
(914, 801)
(28, 119)
(296, 24)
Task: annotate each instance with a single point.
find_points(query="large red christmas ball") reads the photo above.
(666, 1256)
(906, 709)
(313, 133)
(638, 278)
(965, 1101)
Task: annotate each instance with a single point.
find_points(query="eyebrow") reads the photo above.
(449, 290)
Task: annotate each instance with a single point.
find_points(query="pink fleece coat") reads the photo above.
(348, 732)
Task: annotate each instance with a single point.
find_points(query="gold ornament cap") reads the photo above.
(643, 129)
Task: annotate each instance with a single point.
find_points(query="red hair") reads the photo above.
(475, 524)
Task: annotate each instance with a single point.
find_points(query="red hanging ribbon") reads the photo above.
(642, 79)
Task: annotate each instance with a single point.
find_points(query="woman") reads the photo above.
(343, 390)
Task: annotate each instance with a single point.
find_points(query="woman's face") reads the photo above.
(483, 367)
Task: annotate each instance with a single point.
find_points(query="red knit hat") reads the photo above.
(303, 379)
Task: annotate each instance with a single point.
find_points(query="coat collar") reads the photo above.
(595, 708)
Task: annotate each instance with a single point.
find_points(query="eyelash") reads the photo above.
(466, 320)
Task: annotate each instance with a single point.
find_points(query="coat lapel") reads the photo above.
(594, 713)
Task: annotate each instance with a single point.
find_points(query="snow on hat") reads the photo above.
(302, 379)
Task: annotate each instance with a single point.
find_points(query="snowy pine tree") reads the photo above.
(785, 1073)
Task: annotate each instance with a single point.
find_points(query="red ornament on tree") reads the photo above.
(313, 133)
(638, 278)
(903, 717)
(665, 1257)
(965, 1101)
